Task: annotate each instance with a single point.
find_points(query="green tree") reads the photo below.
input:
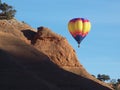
(7, 11)
(103, 77)
(118, 80)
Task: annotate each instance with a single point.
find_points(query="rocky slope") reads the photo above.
(58, 50)
(31, 59)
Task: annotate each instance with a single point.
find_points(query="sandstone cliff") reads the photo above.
(31, 59)
(58, 50)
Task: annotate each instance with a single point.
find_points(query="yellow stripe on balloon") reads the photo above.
(71, 26)
(86, 27)
(78, 26)
(89, 26)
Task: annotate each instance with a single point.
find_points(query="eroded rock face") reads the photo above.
(56, 47)
(59, 51)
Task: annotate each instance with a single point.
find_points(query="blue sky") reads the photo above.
(100, 50)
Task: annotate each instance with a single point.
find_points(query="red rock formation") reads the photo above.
(39, 60)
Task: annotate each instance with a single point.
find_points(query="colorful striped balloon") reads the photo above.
(79, 28)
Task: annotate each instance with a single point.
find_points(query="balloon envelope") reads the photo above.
(79, 28)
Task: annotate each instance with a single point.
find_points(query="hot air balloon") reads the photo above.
(79, 28)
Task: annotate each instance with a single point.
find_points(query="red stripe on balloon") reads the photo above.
(84, 34)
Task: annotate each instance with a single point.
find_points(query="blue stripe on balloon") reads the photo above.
(79, 38)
